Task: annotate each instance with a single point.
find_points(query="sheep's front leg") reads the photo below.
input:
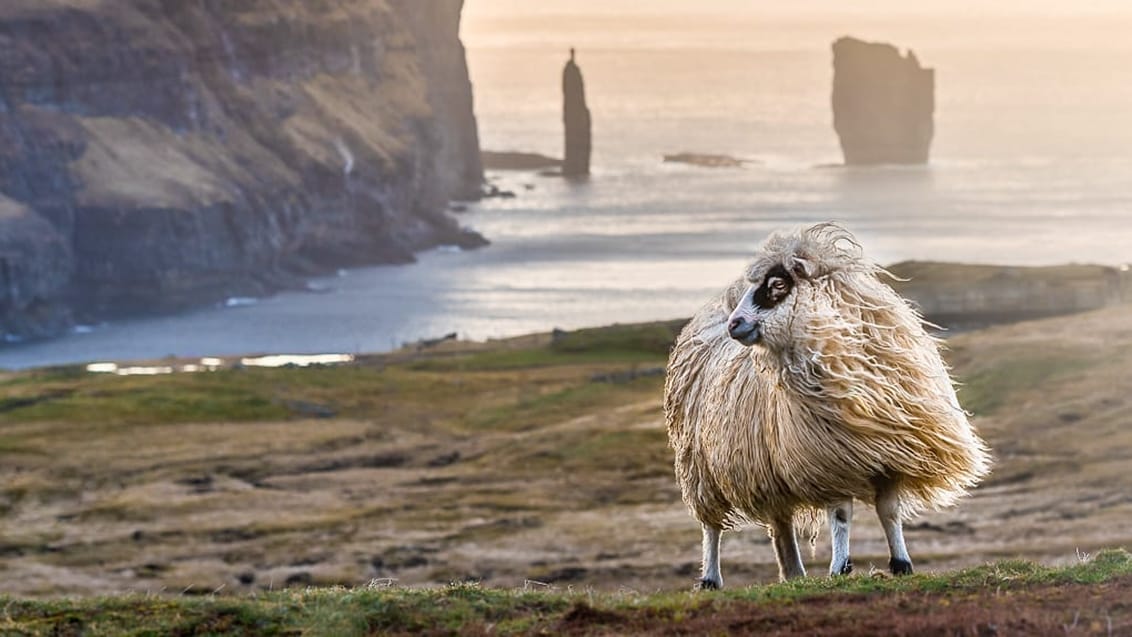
(786, 550)
(888, 510)
(711, 579)
(840, 517)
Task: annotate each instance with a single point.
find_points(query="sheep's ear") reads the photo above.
(801, 267)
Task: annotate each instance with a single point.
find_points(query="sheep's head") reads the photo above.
(793, 281)
(839, 336)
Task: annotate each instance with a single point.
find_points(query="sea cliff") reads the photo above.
(160, 154)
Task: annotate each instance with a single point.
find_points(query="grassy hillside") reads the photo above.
(533, 462)
(998, 599)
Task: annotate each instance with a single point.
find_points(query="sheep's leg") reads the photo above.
(786, 550)
(888, 510)
(711, 578)
(840, 517)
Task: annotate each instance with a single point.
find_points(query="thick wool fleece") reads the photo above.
(847, 391)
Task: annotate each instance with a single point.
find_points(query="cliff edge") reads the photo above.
(158, 154)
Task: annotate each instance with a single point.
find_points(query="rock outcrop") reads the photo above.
(706, 160)
(158, 154)
(883, 103)
(518, 160)
(576, 117)
(956, 295)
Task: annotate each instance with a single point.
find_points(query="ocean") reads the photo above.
(1031, 165)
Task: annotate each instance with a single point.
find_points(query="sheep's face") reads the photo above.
(762, 314)
(795, 288)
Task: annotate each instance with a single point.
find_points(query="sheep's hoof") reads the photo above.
(845, 569)
(706, 584)
(900, 567)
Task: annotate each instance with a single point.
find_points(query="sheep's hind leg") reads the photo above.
(840, 517)
(711, 579)
(888, 510)
(786, 550)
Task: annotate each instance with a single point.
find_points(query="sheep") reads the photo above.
(806, 385)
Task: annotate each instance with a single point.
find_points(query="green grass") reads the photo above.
(469, 608)
(984, 391)
(229, 395)
(536, 408)
(637, 344)
(70, 394)
(531, 358)
(1105, 566)
(652, 338)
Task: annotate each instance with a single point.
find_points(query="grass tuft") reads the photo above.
(463, 608)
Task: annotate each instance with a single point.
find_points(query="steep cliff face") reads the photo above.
(436, 26)
(34, 265)
(883, 103)
(171, 152)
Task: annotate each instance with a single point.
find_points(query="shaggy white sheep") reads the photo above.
(807, 385)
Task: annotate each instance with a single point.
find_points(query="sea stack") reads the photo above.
(883, 103)
(576, 116)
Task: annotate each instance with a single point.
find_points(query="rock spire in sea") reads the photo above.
(576, 117)
(883, 103)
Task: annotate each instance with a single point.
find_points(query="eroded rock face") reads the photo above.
(576, 117)
(185, 151)
(883, 103)
(436, 26)
(35, 264)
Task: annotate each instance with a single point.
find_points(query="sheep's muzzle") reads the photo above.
(744, 330)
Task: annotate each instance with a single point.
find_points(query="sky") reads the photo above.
(766, 25)
(799, 7)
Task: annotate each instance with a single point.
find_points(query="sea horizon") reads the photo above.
(1030, 166)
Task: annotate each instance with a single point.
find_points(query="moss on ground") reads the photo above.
(993, 385)
(472, 609)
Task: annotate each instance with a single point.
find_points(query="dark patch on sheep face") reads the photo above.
(775, 287)
(757, 305)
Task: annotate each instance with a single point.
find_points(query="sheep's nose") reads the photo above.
(740, 329)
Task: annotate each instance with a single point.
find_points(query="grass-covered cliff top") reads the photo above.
(536, 464)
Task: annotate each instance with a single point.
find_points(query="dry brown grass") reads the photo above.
(501, 463)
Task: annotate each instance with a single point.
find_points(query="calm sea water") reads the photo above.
(1032, 164)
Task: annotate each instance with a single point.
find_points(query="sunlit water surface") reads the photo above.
(1032, 164)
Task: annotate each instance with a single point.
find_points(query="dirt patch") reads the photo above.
(1074, 609)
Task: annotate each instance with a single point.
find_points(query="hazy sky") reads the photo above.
(762, 24)
(799, 7)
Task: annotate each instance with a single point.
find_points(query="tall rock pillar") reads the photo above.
(576, 116)
(883, 103)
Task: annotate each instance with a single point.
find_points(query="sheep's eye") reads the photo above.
(775, 287)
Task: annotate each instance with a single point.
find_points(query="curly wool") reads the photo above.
(859, 396)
